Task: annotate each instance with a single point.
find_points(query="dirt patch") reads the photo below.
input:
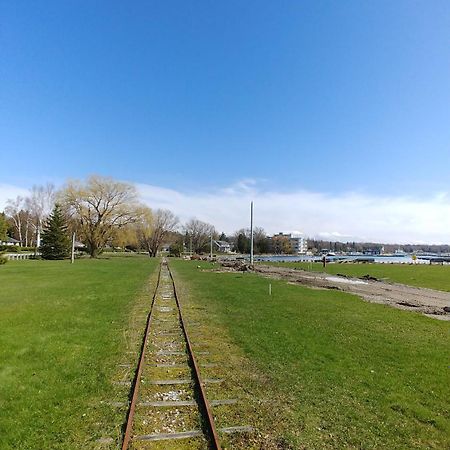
(430, 302)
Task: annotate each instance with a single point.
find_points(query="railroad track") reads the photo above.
(168, 403)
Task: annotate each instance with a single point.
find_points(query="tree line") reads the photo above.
(315, 245)
(103, 212)
(100, 211)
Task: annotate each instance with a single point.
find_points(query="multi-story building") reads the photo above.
(299, 244)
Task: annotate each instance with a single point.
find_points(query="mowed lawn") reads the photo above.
(421, 275)
(353, 374)
(61, 338)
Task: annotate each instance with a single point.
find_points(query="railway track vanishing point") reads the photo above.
(168, 396)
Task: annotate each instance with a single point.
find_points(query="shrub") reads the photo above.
(10, 248)
(3, 259)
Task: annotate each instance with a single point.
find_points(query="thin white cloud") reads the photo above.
(344, 217)
(8, 191)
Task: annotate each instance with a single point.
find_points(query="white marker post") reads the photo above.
(251, 233)
(72, 258)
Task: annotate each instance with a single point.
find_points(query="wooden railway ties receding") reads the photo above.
(160, 321)
(171, 382)
(180, 366)
(169, 366)
(169, 353)
(178, 403)
(165, 309)
(169, 436)
(185, 381)
(190, 434)
(168, 333)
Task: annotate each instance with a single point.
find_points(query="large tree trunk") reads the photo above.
(94, 249)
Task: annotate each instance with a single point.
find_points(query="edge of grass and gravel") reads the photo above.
(418, 275)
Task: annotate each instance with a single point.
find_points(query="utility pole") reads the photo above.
(251, 233)
(72, 257)
(211, 250)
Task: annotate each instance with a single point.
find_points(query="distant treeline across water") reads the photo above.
(406, 259)
(354, 247)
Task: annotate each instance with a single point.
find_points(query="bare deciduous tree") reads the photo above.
(29, 214)
(100, 205)
(39, 205)
(144, 229)
(14, 209)
(154, 227)
(199, 233)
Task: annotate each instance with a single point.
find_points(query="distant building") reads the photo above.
(299, 244)
(165, 248)
(10, 242)
(372, 251)
(222, 246)
(79, 245)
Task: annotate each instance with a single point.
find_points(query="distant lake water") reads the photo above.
(406, 259)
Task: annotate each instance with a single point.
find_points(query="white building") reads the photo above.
(298, 242)
(222, 246)
(10, 242)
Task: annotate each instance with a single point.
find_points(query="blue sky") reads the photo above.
(324, 97)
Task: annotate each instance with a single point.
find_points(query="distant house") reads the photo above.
(10, 242)
(222, 246)
(79, 245)
(372, 251)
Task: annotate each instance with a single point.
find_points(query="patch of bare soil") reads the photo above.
(432, 303)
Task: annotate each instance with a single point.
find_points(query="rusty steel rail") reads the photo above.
(204, 400)
(137, 376)
(204, 403)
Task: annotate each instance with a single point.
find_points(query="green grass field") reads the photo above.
(61, 338)
(421, 275)
(342, 373)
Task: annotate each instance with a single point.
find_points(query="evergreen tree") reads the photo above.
(243, 243)
(3, 227)
(55, 242)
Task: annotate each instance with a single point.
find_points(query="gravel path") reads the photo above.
(430, 302)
